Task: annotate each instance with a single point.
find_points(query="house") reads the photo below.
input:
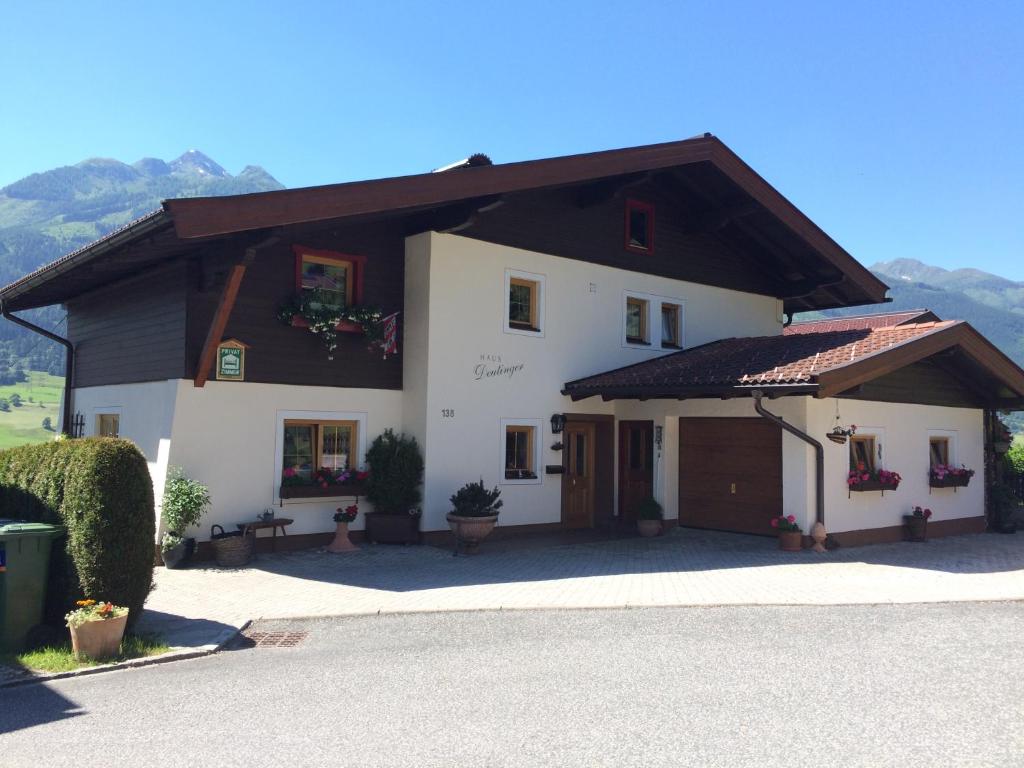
(584, 331)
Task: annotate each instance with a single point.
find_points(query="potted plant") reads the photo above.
(96, 629)
(947, 476)
(1002, 438)
(649, 518)
(916, 524)
(1005, 509)
(342, 517)
(393, 487)
(790, 534)
(184, 503)
(474, 513)
(861, 478)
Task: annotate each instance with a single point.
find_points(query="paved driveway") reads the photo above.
(685, 568)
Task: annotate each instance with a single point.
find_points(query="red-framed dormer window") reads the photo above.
(339, 275)
(639, 231)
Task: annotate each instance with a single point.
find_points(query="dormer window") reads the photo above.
(639, 226)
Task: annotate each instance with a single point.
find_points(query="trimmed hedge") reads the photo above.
(100, 490)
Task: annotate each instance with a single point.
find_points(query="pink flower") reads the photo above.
(791, 518)
(289, 472)
(927, 513)
(865, 476)
(775, 522)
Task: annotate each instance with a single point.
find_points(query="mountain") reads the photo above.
(983, 287)
(45, 215)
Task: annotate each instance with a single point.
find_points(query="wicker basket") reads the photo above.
(232, 550)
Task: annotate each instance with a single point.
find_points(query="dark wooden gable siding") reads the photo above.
(551, 221)
(922, 383)
(281, 354)
(131, 331)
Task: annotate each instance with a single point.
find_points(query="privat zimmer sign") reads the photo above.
(492, 367)
(231, 360)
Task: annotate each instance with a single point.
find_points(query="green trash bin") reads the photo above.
(24, 566)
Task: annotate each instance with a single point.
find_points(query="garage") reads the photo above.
(730, 474)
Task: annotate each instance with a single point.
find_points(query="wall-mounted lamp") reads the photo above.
(658, 435)
(557, 423)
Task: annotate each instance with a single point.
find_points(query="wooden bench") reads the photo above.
(275, 523)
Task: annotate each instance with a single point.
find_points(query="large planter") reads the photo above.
(470, 531)
(648, 528)
(180, 555)
(99, 639)
(791, 541)
(916, 528)
(872, 485)
(387, 528)
(342, 543)
(319, 492)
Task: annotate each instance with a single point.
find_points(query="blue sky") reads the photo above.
(897, 129)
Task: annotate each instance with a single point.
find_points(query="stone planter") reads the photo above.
(387, 528)
(916, 528)
(341, 542)
(470, 531)
(791, 541)
(648, 528)
(175, 557)
(99, 639)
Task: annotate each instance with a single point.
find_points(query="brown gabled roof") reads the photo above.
(861, 322)
(184, 224)
(823, 364)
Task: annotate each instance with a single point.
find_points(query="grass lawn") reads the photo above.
(23, 424)
(60, 659)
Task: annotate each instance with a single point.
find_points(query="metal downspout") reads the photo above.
(819, 451)
(69, 364)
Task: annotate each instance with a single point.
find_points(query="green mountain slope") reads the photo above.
(983, 287)
(46, 215)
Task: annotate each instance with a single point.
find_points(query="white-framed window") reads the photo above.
(107, 421)
(942, 448)
(867, 449)
(524, 303)
(655, 321)
(305, 439)
(521, 451)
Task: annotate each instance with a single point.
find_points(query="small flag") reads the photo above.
(390, 342)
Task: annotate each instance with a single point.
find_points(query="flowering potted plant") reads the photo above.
(839, 433)
(916, 524)
(342, 517)
(96, 629)
(323, 482)
(947, 476)
(649, 518)
(790, 534)
(861, 478)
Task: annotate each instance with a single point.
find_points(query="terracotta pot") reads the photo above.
(791, 541)
(648, 528)
(98, 639)
(341, 542)
(470, 531)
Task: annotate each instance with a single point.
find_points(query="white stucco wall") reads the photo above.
(905, 430)
(582, 335)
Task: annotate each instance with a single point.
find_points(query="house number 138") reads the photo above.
(447, 413)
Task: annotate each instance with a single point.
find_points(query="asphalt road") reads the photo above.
(936, 685)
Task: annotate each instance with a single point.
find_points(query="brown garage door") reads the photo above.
(730, 474)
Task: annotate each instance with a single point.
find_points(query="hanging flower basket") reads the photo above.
(313, 309)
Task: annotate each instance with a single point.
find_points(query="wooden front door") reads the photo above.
(636, 467)
(730, 474)
(578, 478)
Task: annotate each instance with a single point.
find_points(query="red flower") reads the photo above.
(775, 522)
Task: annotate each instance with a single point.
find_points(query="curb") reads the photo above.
(27, 677)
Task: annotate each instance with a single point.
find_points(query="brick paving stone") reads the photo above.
(686, 567)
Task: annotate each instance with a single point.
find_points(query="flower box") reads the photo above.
(298, 321)
(319, 492)
(873, 485)
(950, 481)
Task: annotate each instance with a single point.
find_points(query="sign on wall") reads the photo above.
(231, 360)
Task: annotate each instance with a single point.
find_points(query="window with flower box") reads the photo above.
(521, 450)
(335, 277)
(320, 456)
